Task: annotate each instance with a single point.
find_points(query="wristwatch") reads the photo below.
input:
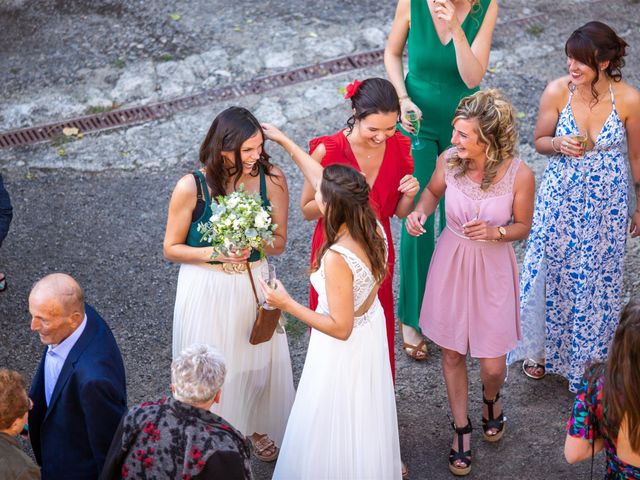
(502, 231)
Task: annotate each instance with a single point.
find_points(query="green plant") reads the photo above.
(166, 57)
(13, 70)
(295, 328)
(535, 30)
(94, 109)
(119, 63)
(60, 139)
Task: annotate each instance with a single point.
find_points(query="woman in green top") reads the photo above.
(448, 45)
(214, 299)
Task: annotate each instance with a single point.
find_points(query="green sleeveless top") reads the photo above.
(194, 237)
(433, 80)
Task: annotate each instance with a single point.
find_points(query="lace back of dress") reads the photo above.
(363, 281)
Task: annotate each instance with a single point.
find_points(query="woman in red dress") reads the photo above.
(372, 145)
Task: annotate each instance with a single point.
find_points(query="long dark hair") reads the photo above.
(345, 193)
(621, 388)
(229, 130)
(375, 95)
(596, 42)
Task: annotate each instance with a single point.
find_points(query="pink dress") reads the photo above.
(471, 298)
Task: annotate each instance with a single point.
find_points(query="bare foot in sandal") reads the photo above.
(533, 369)
(263, 447)
(413, 343)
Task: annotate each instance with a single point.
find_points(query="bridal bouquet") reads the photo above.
(238, 221)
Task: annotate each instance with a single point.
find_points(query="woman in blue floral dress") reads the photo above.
(573, 270)
(606, 411)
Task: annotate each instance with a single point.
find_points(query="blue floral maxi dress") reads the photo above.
(572, 274)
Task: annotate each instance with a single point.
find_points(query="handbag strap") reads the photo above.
(253, 285)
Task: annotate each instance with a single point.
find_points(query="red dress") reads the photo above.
(384, 197)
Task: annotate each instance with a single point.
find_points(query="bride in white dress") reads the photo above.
(343, 423)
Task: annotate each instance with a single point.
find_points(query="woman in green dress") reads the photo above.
(448, 45)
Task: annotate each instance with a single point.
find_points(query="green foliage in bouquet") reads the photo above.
(239, 220)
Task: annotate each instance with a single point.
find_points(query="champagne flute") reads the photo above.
(268, 274)
(413, 117)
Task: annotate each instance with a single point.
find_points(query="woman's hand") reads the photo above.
(276, 297)
(409, 186)
(568, 145)
(235, 256)
(446, 11)
(634, 228)
(480, 230)
(271, 132)
(414, 223)
(406, 106)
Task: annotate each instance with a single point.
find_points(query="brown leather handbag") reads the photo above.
(266, 320)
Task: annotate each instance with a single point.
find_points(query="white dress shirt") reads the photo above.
(55, 358)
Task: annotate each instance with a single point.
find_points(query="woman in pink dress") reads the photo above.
(471, 296)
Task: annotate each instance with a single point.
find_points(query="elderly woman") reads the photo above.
(178, 437)
(14, 409)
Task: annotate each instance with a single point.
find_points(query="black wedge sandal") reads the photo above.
(461, 455)
(493, 422)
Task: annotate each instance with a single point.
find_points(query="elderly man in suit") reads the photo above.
(78, 392)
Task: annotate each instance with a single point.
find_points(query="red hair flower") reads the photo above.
(352, 88)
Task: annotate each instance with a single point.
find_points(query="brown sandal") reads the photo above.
(417, 352)
(262, 446)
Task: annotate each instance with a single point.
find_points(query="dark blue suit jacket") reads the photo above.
(71, 438)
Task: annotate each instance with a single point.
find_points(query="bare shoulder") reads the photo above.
(319, 152)
(558, 89)
(627, 98)
(524, 175)
(275, 172)
(335, 263)
(443, 158)
(186, 185)
(276, 178)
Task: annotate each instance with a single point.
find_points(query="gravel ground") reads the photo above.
(96, 207)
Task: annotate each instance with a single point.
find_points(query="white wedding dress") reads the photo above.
(343, 423)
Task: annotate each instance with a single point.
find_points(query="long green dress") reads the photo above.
(435, 86)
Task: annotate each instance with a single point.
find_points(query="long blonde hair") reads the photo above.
(496, 129)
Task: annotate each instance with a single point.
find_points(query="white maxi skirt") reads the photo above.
(219, 309)
(343, 425)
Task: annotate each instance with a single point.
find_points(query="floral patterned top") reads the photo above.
(173, 440)
(587, 421)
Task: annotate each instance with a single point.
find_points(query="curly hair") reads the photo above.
(14, 402)
(496, 129)
(198, 374)
(345, 193)
(597, 42)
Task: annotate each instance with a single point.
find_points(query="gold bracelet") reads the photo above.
(553, 145)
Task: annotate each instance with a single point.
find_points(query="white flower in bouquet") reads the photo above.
(238, 221)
